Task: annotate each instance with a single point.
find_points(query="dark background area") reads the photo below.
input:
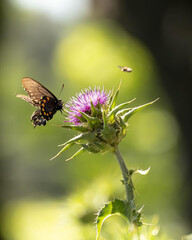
(166, 29)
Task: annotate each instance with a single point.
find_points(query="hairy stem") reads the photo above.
(129, 188)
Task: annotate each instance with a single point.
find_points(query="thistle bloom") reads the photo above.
(82, 103)
(100, 120)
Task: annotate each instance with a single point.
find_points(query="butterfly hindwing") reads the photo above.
(48, 107)
(37, 118)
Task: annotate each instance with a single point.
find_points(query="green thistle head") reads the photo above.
(101, 122)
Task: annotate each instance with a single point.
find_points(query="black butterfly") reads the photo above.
(40, 97)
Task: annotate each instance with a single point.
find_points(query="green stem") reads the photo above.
(129, 188)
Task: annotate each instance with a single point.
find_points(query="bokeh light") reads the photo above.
(91, 53)
(57, 10)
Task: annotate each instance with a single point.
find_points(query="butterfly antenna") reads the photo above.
(61, 89)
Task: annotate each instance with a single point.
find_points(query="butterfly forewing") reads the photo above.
(35, 90)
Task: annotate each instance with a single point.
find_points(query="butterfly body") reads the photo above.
(49, 106)
(43, 99)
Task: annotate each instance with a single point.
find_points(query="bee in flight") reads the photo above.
(125, 69)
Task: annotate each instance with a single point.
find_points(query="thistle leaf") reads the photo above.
(111, 96)
(92, 121)
(113, 100)
(143, 172)
(62, 150)
(113, 112)
(104, 119)
(123, 125)
(122, 112)
(81, 150)
(118, 207)
(93, 110)
(72, 140)
(136, 109)
(91, 148)
(75, 127)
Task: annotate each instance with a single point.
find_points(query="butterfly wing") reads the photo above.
(49, 106)
(36, 90)
(27, 99)
(37, 118)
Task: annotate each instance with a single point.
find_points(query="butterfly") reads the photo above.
(45, 101)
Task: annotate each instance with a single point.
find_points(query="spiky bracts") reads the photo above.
(100, 120)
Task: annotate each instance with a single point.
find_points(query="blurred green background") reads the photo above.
(80, 44)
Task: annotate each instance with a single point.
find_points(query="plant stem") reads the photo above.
(129, 188)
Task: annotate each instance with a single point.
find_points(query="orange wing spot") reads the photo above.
(50, 113)
(43, 105)
(43, 109)
(48, 98)
(44, 113)
(44, 100)
(47, 114)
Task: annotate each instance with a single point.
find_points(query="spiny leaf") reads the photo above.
(108, 133)
(136, 109)
(93, 109)
(62, 150)
(143, 172)
(76, 138)
(80, 138)
(118, 207)
(111, 96)
(75, 127)
(122, 112)
(91, 148)
(112, 113)
(113, 100)
(92, 121)
(81, 150)
(104, 119)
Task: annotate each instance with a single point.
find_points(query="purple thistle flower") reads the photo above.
(101, 122)
(82, 103)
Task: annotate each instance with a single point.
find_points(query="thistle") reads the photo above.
(101, 122)
(102, 125)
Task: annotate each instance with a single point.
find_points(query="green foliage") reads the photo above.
(132, 111)
(72, 219)
(119, 207)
